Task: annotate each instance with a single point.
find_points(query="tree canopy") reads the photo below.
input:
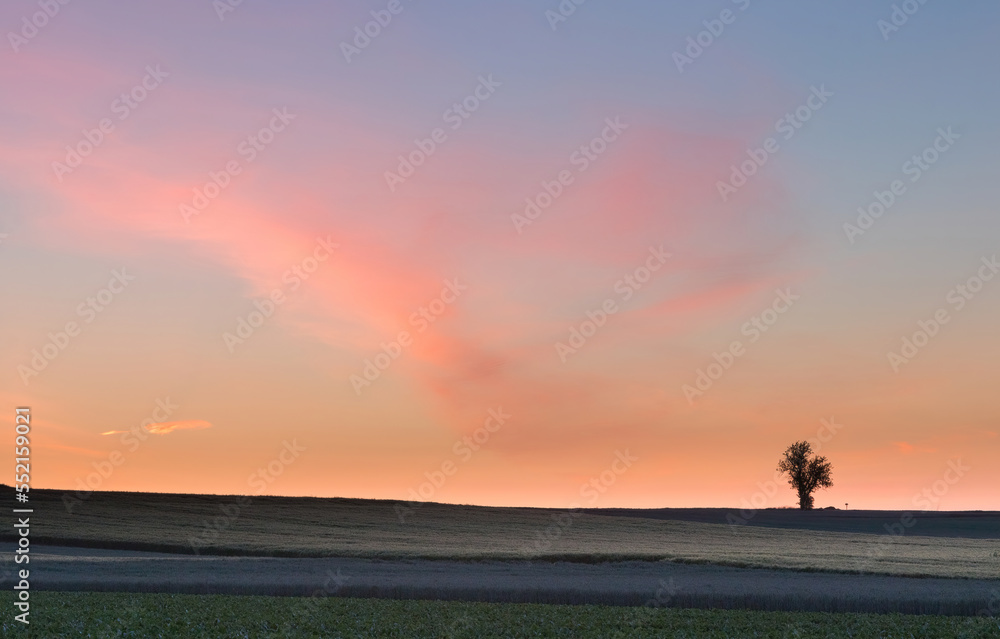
(806, 472)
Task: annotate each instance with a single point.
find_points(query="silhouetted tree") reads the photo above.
(806, 472)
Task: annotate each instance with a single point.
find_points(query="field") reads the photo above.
(304, 527)
(197, 564)
(98, 615)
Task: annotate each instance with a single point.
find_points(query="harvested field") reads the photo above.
(307, 527)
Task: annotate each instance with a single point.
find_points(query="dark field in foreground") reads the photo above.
(310, 527)
(99, 615)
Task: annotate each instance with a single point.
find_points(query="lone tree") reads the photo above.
(806, 472)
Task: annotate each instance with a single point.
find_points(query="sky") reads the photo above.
(498, 253)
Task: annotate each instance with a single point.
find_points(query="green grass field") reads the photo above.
(97, 615)
(305, 527)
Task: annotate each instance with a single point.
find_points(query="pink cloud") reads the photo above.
(654, 187)
(164, 428)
